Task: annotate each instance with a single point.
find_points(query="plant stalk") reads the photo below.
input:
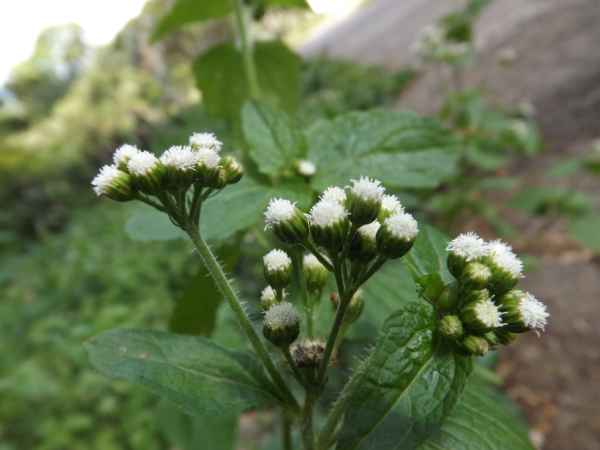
(247, 51)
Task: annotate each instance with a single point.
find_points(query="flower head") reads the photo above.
(533, 312)
(469, 246)
(105, 179)
(370, 230)
(487, 313)
(277, 260)
(402, 226)
(113, 183)
(208, 158)
(180, 157)
(326, 213)
(334, 193)
(306, 168)
(206, 140)
(142, 163)
(391, 204)
(123, 154)
(279, 210)
(367, 189)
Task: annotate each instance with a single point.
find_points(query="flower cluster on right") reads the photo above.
(482, 308)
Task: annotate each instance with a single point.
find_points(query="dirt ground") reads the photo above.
(554, 378)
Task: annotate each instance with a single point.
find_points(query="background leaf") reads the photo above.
(412, 382)
(276, 142)
(429, 255)
(199, 375)
(148, 224)
(586, 229)
(400, 148)
(187, 11)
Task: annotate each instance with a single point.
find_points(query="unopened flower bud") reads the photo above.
(234, 169)
(364, 200)
(467, 296)
(505, 337)
(363, 248)
(522, 312)
(335, 194)
(390, 205)
(329, 224)
(113, 183)
(147, 172)
(451, 327)
(221, 179)
(448, 299)
(491, 339)
(315, 273)
(282, 324)
(476, 345)
(308, 353)
(288, 223)
(355, 308)
(506, 268)
(481, 316)
(475, 276)
(205, 140)
(268, 298)
(397, 235)
(464, 249)
(180, 166)
(277, 269)
(122, 156)
(306, 168)
(208, 167)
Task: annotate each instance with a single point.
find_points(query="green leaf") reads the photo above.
(297, 3)
(586, 229)
(221, 77)
(148, 224)
(411, 384)
(540, 200)
(429, 255)
(399, 148)
(479, 422)
(276, 142)
(187, 11)
(566, 167)
(196, 311)
(202, 377)
(431, 286)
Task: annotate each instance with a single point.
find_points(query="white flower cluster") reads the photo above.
(533, 312)
(502, 255)
(205, 140)
(370, 230)
(142, 163)
(469, 246)
(391, 204)
(180, 157)
(279, 210)
(431, 44)
(488, 314)
(326, 213)
(310, 261)
(402, 226)
(105, 179)
(334, 193)
(277, 260)
(367, 189)
(281, 316)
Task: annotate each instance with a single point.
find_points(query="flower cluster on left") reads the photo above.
(176, 183)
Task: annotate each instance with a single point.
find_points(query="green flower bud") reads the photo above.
(467, 297)
(288, 222)
(481, 316)
(114, 183)
(506, 268)
(451, 327)
(363, 248)
(491, 339)
(390, 205)
(180, 166)
(475, 344)
(122, 156)
(315, 273)
(448, 299)
(221, 180)
(364, 200)
(208, 167)
(329, 224)
(505, 337)
(277, 269)
(355, 308)
(464, 249)
(234, 169)
(308, 353)
(475, 276)
(522, 312)
(147, 173)
(282, 324)
(268, 298)
(397, 235)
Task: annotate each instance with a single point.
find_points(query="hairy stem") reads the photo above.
(380, 261)
(306, 302)
(247, 51)
(307, 424)
(286, 425)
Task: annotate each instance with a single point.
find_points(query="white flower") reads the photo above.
(519, 128)
(268, 295)
(279, 210)
(533, 312)
(502, 255)
(282, 315)
(334, 193)
(106, 177)
(124, 153)
(370, 230)
(306, 168)
(206, 140)
(497, 247)
(367, 189)
(277, 260)
(391, 204)
(142, 163)
(310, 261)
(208, 158)
(430, 42)
(402, 226)
(527, 109)
(469, 246)
(487, 313)
(326, 213)
(180, 157)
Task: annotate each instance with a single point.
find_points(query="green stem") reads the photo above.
(307, 424)
(196, 204)
(311, 248)
(306, 303)
(223, 284)
(380, 261)
(147, 201)
(247, 51)
(287, 431)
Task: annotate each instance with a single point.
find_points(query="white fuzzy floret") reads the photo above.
(402, 226)
(391, 204)
(282, 315)
(104, 179)
(306, 168)
(334, 193)
(502, 255)
(124, 153)
(367, 189)
(279, 210)
(326, 213)
(180, 157)
(469, 246)
(310, 261)
(533, 312)
(208, 158)
(142, 163)
(497, 247)
(206, 140)
(487, 313)
(277, 260)
(370, 230)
